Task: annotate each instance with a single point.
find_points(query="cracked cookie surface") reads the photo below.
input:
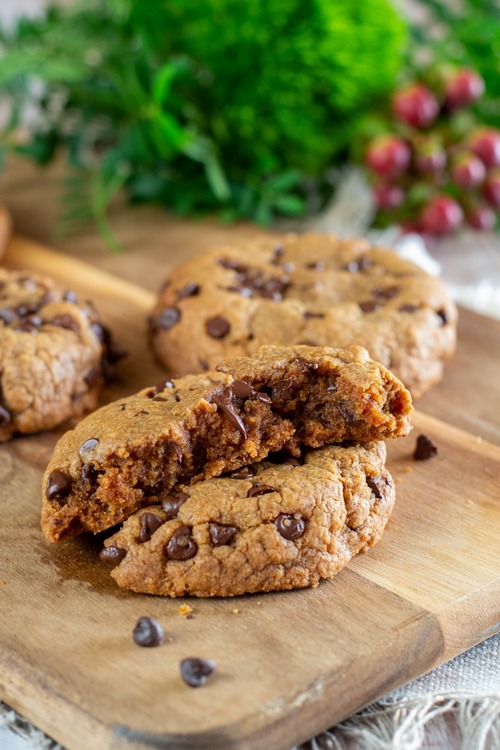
(276, 525)
(312, 289)
(54, 354)
(133, 452)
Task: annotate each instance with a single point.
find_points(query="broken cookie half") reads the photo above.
(132, 453)
(281, 524)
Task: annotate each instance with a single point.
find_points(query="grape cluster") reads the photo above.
(437, 169)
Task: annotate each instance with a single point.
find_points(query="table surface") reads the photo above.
(152, 240)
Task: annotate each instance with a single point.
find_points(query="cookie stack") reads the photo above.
(266, 473)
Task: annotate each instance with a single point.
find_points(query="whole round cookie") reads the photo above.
(311, 289)
(266, 527)
(54, 354)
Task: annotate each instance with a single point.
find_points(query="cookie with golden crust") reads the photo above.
(133, 452)
(54, 354)
(312, 289)
(267, 527)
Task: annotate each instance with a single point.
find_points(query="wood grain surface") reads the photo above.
(289, 664)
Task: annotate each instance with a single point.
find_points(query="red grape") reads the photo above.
(462, 88)
(486, 144)
(415, 105)
(388, 196)
(441, 215)
(468, 170)
(481, 217)
(388, 155)
(491, 188)
(430, 157)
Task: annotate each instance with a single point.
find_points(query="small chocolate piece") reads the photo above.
(223, 402)
(221, 534)
(306, 366)
(190, 290)
(149, 523)
(59, 486)
(282, 390)
(369, 306)
(244, 473)
(424, 449)
(194, 671)
(317, 265)
(443, 316)
(90, 474)
(7, 314)
(361, 264)
(167, 319)
(217, 327)
(65, 321)
(387, 292)
(70, 296)
(374, 484)
(241, 389)
(148, 632)
(289, 527)
(172, 503)
(112, 554)
(181, 545)
(159, 387)
(88, 445)
(310, 315)
(409, 308)
(5, 416)
(259, 489)
(30, 324)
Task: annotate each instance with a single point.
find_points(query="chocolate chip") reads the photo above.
(30, 324)
(361, 264)
(262, 397)
(190, 290)
(88, 445)
(231, 264)
(59, 486)
(149, 523)
(93, 377)
(309, 315)
(172, 503)
(223, 402)
(203, 363)
(181, 545)
(159, 387)
(386, 292)
(90, 474)
(194, 672)
(65, 321)
(241, 389)
(443, 316)
(369, 306)
(27, 308)
(374, 483)
(148, 632)
(291, 461)
(5, 416)
(7, 314)
(260, 489)
(122, 407)
(282, 390)
(305, 365)
(289, 527)
(345, 411)
(273, 289)
(70, 296)
(221, 534)
(317, 265)
(408, 308)
(244, 473)
(424, 449)
(217, 327)
(112, 554)
(278, 251)
(167, 319)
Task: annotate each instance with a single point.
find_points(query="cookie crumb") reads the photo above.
(408, 469)
(424, 448)
(2, 582)
(186, 611)
(235, 611)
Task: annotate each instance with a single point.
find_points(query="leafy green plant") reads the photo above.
(199, 105)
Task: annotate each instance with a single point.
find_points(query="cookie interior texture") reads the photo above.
(311, 289)
(54, 354)
(280, 524)
(133, 452)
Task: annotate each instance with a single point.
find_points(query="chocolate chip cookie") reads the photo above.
(131, 453)
(281, 524)
(54, 354)
(314, 289)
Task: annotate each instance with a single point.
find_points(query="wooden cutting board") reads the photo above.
(289, 664)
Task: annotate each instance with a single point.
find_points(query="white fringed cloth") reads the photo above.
(456, 706)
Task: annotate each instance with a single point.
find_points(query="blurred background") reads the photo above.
(344, 116)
